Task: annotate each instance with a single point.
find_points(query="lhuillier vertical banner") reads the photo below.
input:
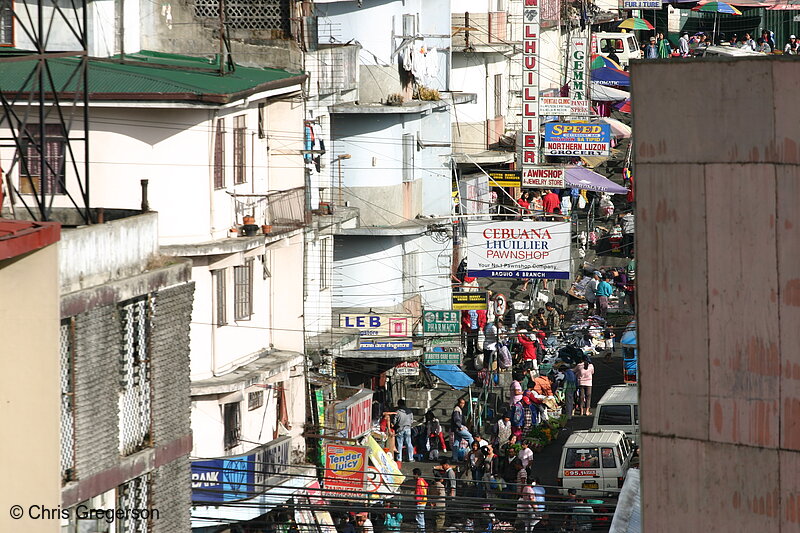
(531, 27)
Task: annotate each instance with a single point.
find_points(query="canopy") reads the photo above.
(583, 178)
(452, 375)
(608, 94)
(611, 76)
(628, 339)
(618, 129)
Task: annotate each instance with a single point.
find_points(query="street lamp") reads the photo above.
(339, 161)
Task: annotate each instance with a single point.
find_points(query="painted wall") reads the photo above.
(317, 312)
(29, 325)
(699, 233)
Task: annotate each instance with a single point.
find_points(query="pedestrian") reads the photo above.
(421, 497)
(475, 464)
(525, 516)
(589, 293)
(364, 524)
(503, 430)
(763, 47)
(433, 429)
(550, 202)
(584, 373)
(528, 349)
(393, 517)
(664, 48)
(525, 454)
(490, 331)
(457, 426)
(608, 343)
(403, 421)
(524, 205)
(792, 48)
(490, 462)
(515, 387)
(436, 500)
(628, 223)
(683, 44)
(651, 49)
(767, 36)
(472, 322)
(570, 385)
(553, 318)
(603, 292)
(747, 43)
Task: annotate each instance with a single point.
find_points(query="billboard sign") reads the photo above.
(441, 322)
(373, 325)
(506, 178)
(545, 177)
(578, 83)
(345, 467)
(554, 106)
(384, 344)
(641, 4)
(575, 139)
(464, 301)
(519, 249)
(531, 26)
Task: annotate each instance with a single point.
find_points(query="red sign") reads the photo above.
(345, 467)
(580, 472)
(359, 417)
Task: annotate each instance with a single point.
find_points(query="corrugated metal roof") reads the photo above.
(620, 394)
(149, 76)
(19, 237)
(581, 438)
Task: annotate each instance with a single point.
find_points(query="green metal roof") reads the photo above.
(146, 76)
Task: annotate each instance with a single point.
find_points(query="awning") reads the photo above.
(628, 339)
(583, 178)
(608, 94)
(611, 76)
(452, 375)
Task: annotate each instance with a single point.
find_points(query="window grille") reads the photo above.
(53, 146)
(67, 348)
(248, 15)
(6, 23)
(134, 401)
(232, 421)
(498, 95)
(255, 400)
(219, 154)
(243, 290)
(324, 265)
(135, 494)
(239, 150)
(220, 297)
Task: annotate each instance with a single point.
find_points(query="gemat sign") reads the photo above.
(519, 249)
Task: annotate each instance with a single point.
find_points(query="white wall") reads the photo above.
(367, 272)
(317, 309)
(433, 274)
(101, 31)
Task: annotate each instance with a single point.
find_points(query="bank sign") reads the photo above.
(240, 477)
(516, 249)
(577, 139)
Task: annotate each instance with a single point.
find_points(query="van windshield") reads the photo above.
(582, 458)
(606, 45)
(614, 415)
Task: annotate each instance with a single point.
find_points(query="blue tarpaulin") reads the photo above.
(452, 375)
(611, 76)
(628, 339)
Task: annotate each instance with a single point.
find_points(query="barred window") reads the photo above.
(135, 494)
(255, 400)
(243, 290)
(239, 150)
(134, 400)
(248, 15)
(324, 264)
(220, 296)
(6, 23)
(53, 145)
(232, 420)
(408, 156)
(219, 154)
(67, 400)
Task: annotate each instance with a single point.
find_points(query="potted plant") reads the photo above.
(266, 229)
(248, 220)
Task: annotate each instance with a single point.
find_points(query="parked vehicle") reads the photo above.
(595, 460)
(619, 409)
(727, 51)
(625, 46)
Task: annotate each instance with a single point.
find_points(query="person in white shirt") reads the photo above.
(747, 43)
(683, 44)
(525, 454)
(792, 47)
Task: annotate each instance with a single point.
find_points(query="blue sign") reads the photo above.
(577, 139)
(384, 344)
(240, 477)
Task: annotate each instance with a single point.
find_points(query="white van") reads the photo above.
(729, 51)
(619, 409)
(624, 45)
(595, 460)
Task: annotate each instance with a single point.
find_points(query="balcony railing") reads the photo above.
(281, 211)
(479, 29)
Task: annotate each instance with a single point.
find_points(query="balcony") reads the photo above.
(481, 32)
(333, 70)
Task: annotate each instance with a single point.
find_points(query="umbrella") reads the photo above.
(618, 129)
(599, 61)
(635, 23)
(611, 76)
(601, 93)
(624, 107)
(716, 8)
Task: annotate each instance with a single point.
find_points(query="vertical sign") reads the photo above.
(531, 25)
(579, 84)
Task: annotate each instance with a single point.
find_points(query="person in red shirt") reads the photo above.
(528, 346)
(551, 201)
(421, 496)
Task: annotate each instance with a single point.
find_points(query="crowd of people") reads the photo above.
(658, 46)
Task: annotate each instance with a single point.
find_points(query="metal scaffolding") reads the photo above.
(45, 113)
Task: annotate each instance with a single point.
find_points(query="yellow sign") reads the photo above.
(390, 474)
(463, 301)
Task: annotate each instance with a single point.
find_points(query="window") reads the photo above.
(581, 458)
(409, 25)
(53, 146)
(614, 415)
(134, 400)
(498, 95)
(408, 156)
(243, 290)
(255, 400)
(239, 151)
(135, 494)
(219, 154)
(232, 421)
(608, 458)
(324, 265)
(262, 130)
(220, 297)
(6, 23)
(67, 400)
